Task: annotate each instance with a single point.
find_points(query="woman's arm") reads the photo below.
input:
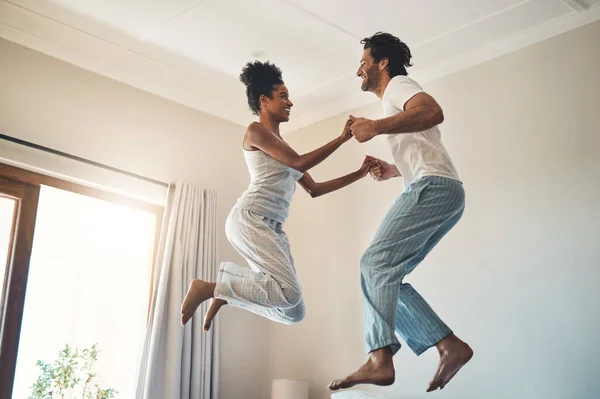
(260, 138)
(317, 189)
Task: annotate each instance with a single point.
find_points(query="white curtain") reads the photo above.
(178, 362)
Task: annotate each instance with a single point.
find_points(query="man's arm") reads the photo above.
(421, 112)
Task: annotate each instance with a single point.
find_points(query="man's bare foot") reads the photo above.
(378, 370)
(454, 354)
(215, 305)
(198, 292)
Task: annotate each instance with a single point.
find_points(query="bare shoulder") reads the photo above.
(254, 126)
(257, 135)
(256, 130)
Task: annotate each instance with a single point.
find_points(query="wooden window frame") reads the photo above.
(24, 187)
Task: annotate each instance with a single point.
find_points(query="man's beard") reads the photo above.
(372, 80)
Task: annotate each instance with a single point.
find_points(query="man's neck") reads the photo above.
(383, 83)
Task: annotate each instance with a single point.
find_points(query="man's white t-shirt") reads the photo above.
(415, 154)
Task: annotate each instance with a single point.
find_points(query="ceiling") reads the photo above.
(192, 51)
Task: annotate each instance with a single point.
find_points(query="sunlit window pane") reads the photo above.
(88, 283)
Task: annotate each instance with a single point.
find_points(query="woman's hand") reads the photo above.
(346, 133)
(367, 164)
(382, 170)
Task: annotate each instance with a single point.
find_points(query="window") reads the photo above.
(87, 282)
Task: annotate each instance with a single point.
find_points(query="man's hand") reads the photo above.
(382, 170)
(363, 129)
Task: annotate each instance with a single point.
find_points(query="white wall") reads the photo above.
(60, 106)
(517, 278)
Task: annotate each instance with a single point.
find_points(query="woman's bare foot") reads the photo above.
(215, 305)
(378, 370)
(198, 292)
(454, 354)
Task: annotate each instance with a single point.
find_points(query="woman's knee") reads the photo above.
(293, 296)
(296, 314)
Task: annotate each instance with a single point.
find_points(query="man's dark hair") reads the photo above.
(384, 45)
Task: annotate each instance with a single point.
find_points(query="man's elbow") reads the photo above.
(438, 116)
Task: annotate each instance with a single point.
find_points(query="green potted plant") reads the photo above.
(70, 376)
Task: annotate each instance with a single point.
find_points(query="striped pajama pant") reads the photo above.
(417, 221)
(270, 287)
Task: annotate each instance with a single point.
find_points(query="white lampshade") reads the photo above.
(285, 388)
